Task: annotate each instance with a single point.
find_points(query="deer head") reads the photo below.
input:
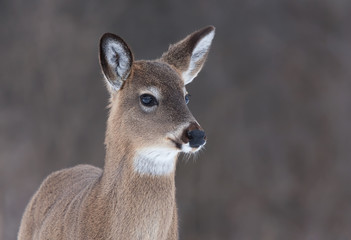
(149, 115)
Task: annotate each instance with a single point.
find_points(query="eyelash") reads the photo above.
(149, 101)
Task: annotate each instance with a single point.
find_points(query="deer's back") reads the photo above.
(54, 209)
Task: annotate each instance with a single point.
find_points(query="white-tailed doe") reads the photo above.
(133, 196)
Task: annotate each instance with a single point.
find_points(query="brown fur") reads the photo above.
(85, 202)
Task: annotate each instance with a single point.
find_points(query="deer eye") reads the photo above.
(187, 98)
(148, 100)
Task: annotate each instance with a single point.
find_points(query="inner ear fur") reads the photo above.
(116, 60)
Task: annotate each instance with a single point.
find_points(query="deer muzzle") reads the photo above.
(194, 135)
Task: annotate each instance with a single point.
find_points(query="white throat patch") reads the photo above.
(155, 161)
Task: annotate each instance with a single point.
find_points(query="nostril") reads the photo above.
(189, 135)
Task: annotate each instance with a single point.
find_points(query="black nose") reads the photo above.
(196, 138)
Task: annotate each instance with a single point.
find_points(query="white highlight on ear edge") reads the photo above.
(199, 52)
(155, 161)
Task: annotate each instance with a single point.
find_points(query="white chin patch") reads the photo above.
(155, 161)
(187, 149)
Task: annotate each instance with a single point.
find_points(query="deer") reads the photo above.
(149, 125)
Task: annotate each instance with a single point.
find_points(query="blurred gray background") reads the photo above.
(274, 98)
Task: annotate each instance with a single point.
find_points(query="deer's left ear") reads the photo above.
(189, 55)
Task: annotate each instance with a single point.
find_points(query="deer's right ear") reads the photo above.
(189, 55)
(116, 60)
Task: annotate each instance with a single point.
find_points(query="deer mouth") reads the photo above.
(186, 147)
(176, 143)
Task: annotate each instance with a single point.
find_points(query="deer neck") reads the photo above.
(121, 174)
(126, 191)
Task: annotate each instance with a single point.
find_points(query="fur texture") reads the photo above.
(133, 197)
